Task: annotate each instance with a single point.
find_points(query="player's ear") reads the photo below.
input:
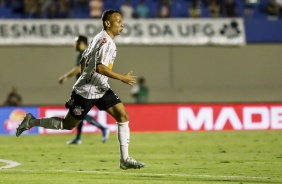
(107, 23)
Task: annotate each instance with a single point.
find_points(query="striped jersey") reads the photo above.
(101, 50)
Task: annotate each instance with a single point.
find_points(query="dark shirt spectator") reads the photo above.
(13, 98)
(32, 9)
(272, 10)
(52, 11)
(17, 6)
(4, 3)
(214, 9)
(229, 8)
(64, 9)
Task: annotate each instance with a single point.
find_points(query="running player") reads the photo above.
(92, 88)
(81, 43)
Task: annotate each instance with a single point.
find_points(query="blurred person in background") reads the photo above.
(142, 10)
(32, 9)
(272, 10)
(92, 89)
(249, 6)
(17, 6)
(13, 98)
(51, 11)
(214, 9)
(64, 9)
(164, 9)
(195, 10)
(229, 8)
(81, 43)
(4, 3)
(96, 8)
(140, 92)
(127, 10)
(279, 2)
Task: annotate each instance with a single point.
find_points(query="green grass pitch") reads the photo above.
(188, 157)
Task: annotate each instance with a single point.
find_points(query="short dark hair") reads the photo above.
(107, 14)
(81, 38)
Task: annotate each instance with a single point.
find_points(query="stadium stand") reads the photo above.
(16, 9)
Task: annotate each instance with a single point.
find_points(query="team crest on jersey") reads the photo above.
(104, 41)
(77, 110)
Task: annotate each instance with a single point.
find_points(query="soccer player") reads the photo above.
(81, 43)
(92, 89)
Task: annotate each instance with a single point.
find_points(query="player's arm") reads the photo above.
(82, 64)
(69, 74)
(127, 78)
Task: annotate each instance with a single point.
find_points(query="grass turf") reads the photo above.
(189, 157)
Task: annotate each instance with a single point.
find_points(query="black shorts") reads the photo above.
(79, 106)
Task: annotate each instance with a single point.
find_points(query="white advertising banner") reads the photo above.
(147, 31)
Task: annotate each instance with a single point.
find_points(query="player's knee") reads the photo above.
(124, 117)
(68, 125)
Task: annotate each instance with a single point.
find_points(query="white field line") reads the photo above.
(9, 164)
(146, 174)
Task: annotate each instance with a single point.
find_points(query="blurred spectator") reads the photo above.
(81, 3)
(195, 10)
(142, 10)
(249, 6)
(127, 10)
(164, 9)
(272, 10)
(13, 98)
(279, 2)
(45, 4)
(140, 91)
(156, 8)
(17, 6)
(51, 11)
(214, 9)
(96, 8)
(64, 9)
(32, 9)
(229, 8)
(3, 3)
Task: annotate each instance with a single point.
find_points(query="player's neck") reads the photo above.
(110, 34)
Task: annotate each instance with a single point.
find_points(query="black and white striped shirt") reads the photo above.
(92, 85)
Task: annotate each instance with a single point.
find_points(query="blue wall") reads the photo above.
(263, 31)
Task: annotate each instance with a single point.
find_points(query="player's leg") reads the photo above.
(105, 131)
(78, 108)
(77, 140)
(118, 111)
(29, 121)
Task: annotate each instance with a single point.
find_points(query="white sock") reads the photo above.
(123, 136)
(50, 123)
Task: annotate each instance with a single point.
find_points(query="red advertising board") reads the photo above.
(186, 117)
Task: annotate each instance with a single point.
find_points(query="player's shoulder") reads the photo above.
(105, 38)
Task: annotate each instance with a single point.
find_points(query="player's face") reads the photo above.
(76, 45)
(116, 25)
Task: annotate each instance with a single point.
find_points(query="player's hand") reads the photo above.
(62, 79)
(128, 78)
